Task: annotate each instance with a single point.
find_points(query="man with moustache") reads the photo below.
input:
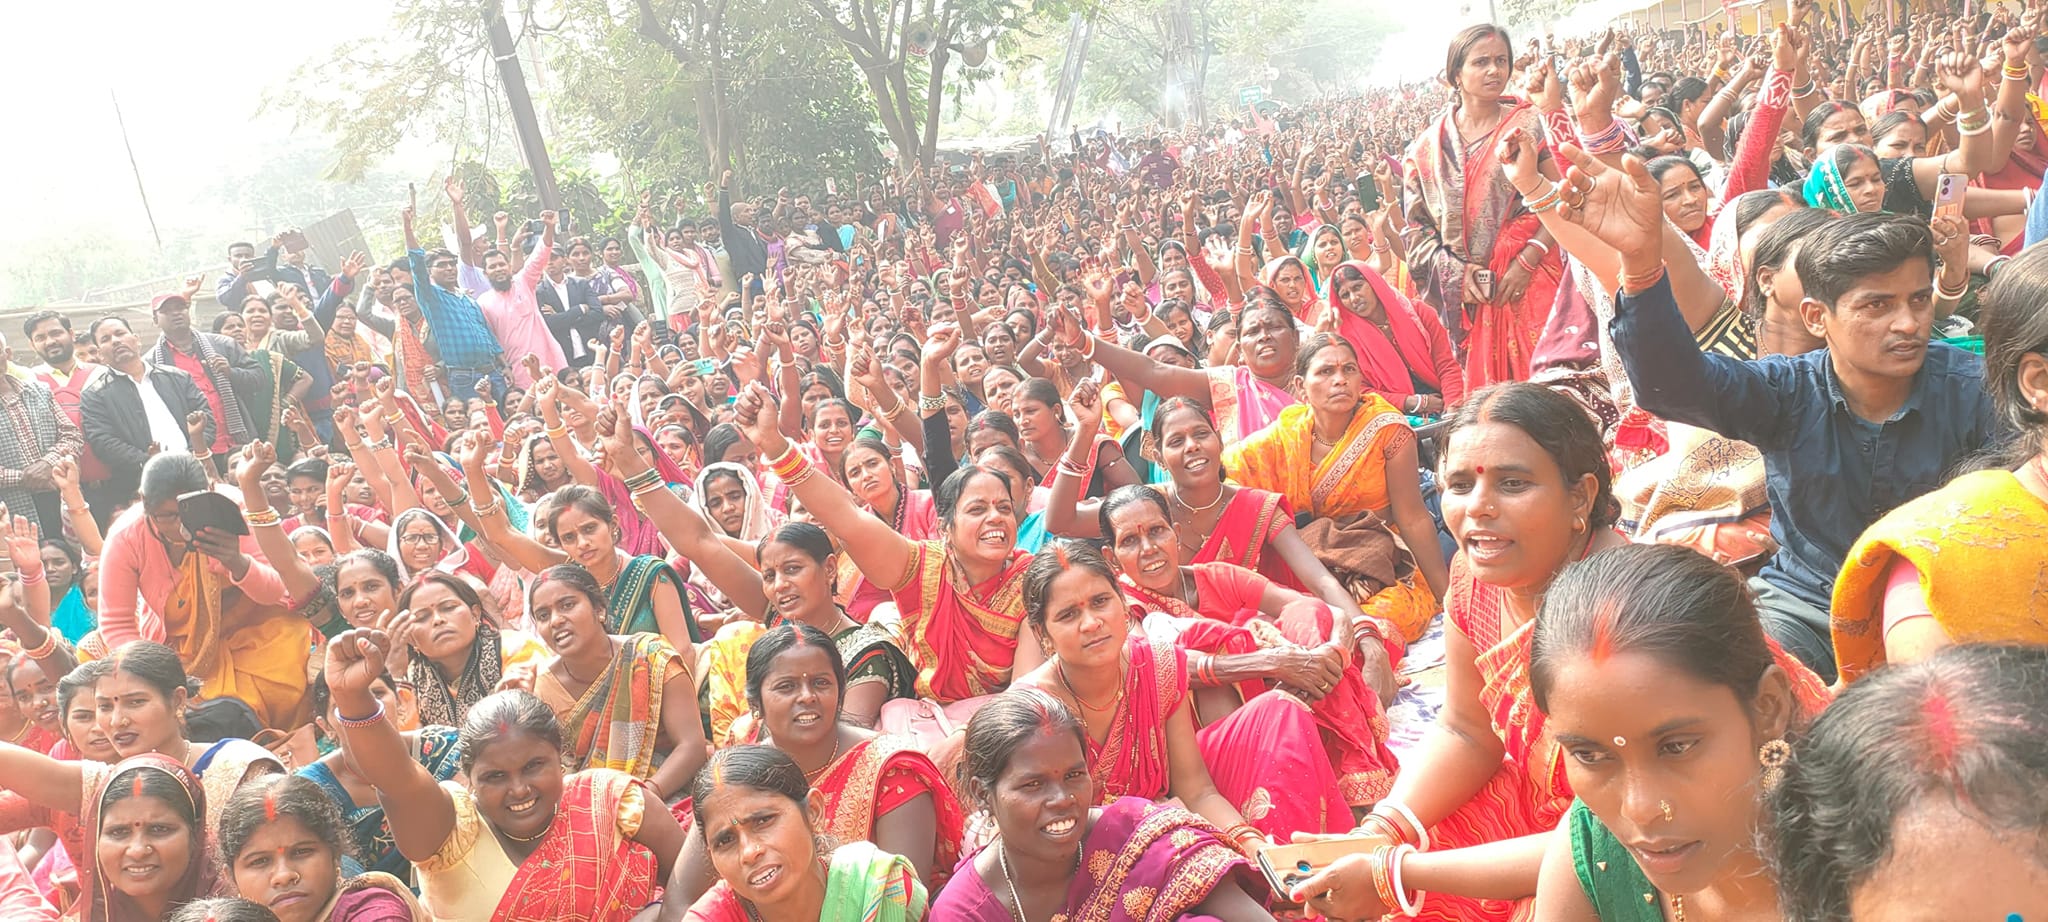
(35, 436)
(511, 310)
(66, 376)
(134, 409)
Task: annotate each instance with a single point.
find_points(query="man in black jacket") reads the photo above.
(126, 423)
(744, 246)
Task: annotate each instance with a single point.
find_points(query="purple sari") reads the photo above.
(1142, 862)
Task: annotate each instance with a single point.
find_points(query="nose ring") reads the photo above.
(1665, 806)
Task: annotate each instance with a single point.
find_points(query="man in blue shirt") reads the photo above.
(1848, 432)
(467, 347)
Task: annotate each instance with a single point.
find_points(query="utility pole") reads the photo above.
(531, 143)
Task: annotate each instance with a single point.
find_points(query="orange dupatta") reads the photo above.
(962, 642)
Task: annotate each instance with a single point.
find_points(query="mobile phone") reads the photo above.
(1949, 189)
(293, 241)
(1286, 866)
(1368, 191)
(831, 188)
(1482, 279)
(207, 509)
(707, 366)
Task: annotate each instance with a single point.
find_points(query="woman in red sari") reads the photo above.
(1479, 256)
(1259, 774)
(1256, 633)
(522, 840)
(1526, 493)
(877, 789)
(958, 595)
(1218, 520)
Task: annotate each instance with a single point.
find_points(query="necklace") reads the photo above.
(1003, 860)
(538, 835)
(1677, 908)
(1061, 669)
(829, 760)
(1184, 504)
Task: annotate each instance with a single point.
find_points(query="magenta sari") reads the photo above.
(1141, 862)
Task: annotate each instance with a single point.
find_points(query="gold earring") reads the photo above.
(1772, 756)
(1578, 523)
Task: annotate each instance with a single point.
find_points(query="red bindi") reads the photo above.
(1478, 468)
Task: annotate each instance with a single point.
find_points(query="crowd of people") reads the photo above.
(1053, 539)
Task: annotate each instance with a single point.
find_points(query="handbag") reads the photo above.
(928, 722)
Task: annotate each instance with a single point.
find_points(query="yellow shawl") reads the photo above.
(1352, 477)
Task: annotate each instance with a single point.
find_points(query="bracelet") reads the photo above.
(1394, 863)
(646, 488)
(789, 465)
(1381, 863)
(1966, 129)
(393, 419)
(484, 512)
(2020, 72)
(556, 432)
(202, 455)
(1721, 74)
(47, 647)
(1941, 291)
(642, 479)
(461, 498)
(1642, 281)
(357, 723)
(931, 403)
(1421, 839)
(1545, 200)
(264, 517)
(1801, 92)
(1538, 244)
(1997, 262)
(1532, 267)
(34, 579)
(781, 459)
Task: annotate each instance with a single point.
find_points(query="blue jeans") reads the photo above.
(462, 383)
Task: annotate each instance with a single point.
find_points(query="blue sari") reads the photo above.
(72, 618)
(375, 848)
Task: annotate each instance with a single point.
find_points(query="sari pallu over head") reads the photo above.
(100, 901)
(1398, 368)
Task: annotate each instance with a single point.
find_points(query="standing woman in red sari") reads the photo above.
(1478, 255)
(959, 595)
(1526, 493)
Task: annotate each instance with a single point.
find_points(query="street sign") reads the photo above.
(1250, 95)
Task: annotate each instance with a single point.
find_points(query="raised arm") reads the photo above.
(524, 551)
(877, 549)
(266, 526)
(421, 815)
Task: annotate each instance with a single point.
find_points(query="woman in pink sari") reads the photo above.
(1244, 398)
(1214, 520)
(1404, 353)
(1259, 774)
(1480, 258)
(1059, 855)
(1256, 634)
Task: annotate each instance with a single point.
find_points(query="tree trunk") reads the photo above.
(935, 92)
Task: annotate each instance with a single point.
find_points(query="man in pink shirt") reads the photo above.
(512, 312)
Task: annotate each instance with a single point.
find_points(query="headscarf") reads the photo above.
(529, 482)
(1824, 187)
(1318, 279)
(671, 472)
(1271, 271)
(697, 460)
(758, 521)
(449, 562)
(1724, 251)
(1154, 291)
(101, 901)
(350, 350)
(444, 706)
(1391, 368)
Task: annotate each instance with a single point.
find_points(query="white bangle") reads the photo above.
(1421, 831)
(1394, 862)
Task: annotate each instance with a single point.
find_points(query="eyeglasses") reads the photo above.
(444, 264)
(420, 540)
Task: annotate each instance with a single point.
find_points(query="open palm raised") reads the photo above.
(1621, 207)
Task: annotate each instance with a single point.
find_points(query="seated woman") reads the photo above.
(1404, 353)
(450, 652)
(759, 813)
(877, 788)
(645, 595)
(1927, 771)
(151, 805)
(1215, 520)
(1045, 436)
(340, 781)
(1263, 759)
(1669, 702)
(625, 703)
(220, 608)
(794, 583)
(1245, 398)
(958, 596)
(1057, 853)
(875, 479)
(570, 846)
(282, 841)
(1347, 458)
(1946, 567)
(1253, 633)
(1525, 493)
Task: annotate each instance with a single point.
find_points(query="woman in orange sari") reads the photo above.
(1254, 632)
(958, 595)
(1480, 258)
(1214, 520)
(1347, 458)
(1526, 494)
(223, 610)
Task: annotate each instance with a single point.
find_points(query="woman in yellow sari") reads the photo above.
(621, 700)
(206, 596)
(1363, 487)
(1962, 564)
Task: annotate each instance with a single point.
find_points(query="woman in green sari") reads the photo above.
(645, 595)
(1671, 706)
(856, 880)
(284, 383)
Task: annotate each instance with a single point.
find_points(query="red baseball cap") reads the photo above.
(158, 303)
